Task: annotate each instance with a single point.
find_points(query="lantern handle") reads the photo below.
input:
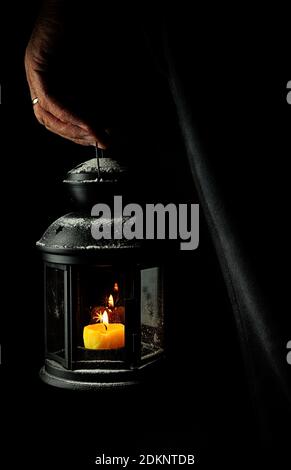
(99, 154)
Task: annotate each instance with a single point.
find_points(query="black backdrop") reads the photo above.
(204, 405)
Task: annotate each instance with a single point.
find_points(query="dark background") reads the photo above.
(203, 406)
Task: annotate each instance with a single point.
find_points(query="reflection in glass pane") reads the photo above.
(152, 318)
(55, 310)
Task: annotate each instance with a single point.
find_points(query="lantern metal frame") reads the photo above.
(67, 244)
(71, 373)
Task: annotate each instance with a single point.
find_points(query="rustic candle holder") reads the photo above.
(80, 275)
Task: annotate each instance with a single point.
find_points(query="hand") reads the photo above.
(48, 110)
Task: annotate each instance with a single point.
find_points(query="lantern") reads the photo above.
(104, 305)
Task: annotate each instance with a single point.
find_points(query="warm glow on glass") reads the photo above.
(110, 301)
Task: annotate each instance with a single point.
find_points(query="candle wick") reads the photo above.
(105, 326)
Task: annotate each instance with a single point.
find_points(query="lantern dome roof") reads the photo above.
(72, 232)
(109, 171)
(96, 180)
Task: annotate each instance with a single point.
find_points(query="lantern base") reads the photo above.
(86, 379)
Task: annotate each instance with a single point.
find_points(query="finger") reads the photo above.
(69, 130)
(83, 142)
(56, 110)
(52, 106)
(80, 141)
(38, 89)
(66, 129)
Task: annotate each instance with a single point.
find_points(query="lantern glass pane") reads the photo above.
(55, 309)
(100, 314)
(152, 316)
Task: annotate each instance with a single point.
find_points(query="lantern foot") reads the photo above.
(86, 379)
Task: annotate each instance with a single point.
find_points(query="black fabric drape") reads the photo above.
(227, 76)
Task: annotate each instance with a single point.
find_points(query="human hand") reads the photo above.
(49, 110)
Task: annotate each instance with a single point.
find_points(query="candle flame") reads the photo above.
(116, 288)
(110, 301)
(105, 318)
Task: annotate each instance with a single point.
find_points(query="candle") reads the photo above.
(104, 335)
